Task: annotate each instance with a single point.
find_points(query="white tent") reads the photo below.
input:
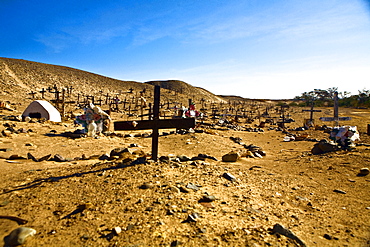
(42, 109)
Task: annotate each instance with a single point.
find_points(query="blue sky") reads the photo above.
(251, 48)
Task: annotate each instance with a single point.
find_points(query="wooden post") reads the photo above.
(336, 110)
(70, 90)
(106, 99)
(150, 112)
(141, 110)
(63, 101)
(155, 133)
(124, 104)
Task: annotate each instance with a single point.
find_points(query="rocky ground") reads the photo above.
(80, 197)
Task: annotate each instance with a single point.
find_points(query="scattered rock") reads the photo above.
(19, 236)
(45, 158)
(170, 212)
(16, 157)
(204, 157)
(146, 186)
(164, 159)
(140, 160)
(183, 158)
(6, 133)
(257, 155)
(117, 230)
(193, 217)
(192, 186)
(84, 206)
(231, 157)
(31, 157)
(287, 233)
(324, 147)
(207, 198)
(59, 158)
(207, 204)
(104, 157)
(174, 189)
(254, 167)
(364, 171)
(327, 236)
(4, 203)
(340, 191)
(175, 243)
(228, 176)
(184, 190)
(118, 151)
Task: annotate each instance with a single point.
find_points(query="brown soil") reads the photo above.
(79, 202)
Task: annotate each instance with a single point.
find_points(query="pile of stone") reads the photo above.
(324, 146)
(12, 129)
(250, 129)
(250, 151)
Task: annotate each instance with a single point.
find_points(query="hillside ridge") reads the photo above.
(20, 78)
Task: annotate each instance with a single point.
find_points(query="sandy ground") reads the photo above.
(319, 198)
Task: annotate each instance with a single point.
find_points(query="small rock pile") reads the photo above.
(250, 151)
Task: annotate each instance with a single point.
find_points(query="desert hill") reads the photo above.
(19, 78)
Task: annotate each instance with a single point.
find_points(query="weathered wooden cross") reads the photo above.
(336, 117)
(64, 102)
(155, 124)
(282, 111)
(311, 120)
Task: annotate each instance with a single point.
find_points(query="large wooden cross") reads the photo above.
(336, 117)
(155, 124)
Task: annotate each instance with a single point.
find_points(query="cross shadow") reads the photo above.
(39, 182)
(68, 134)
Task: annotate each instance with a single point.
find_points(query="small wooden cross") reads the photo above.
(202, 100)
(155, 124)
(43, 91)
(107, 98)
(56, 95)
(33, 94)
(90, 99)
(282, 110)
(99, 102)
(311, 113)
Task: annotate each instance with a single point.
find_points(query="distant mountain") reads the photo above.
(20, 78)
(183, 88)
